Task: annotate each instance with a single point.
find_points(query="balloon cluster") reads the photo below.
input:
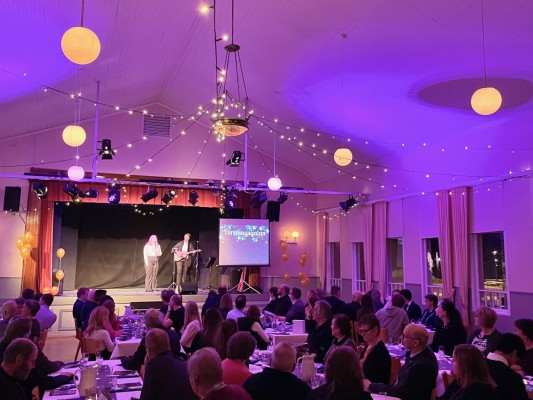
(52, 290)
(25, 244)
(304, 280)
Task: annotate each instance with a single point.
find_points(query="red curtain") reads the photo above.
(46, 223)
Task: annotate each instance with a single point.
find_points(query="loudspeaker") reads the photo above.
(12, 199)
(273, 211)
(233, 213)
(189, 288)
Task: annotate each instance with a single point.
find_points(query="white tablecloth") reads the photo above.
(125, 348)
(376, 396)
(277, 337)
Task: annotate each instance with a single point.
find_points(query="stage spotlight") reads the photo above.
(283, 197)
(346, 205)
(75, 193)
(152, 194)
(91, 193)
(229, 200)
(193, 197)
(235, 159)
(113, 194)
(40, 190)
(259, 199)
(107, 151)
(167, 198)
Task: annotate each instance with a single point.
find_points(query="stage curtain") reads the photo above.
(29, 279)
(380, 243)
(368, 245)
(44, 259)
(445, 241)
(459, 208)
(321, 246)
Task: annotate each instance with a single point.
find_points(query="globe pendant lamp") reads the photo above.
(79, 44)
(274, 183)
(74, 135)
(343, 156)
(76, 173)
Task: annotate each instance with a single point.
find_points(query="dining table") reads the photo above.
(125, 347)
(278, 336)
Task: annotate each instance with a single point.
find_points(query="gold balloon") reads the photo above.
(25, 252)
(285, 256)
(60, 253)
(60, 274)
(283, 245)
(286, 276)
(301, 275)
(29, 237)
(304, 281)
(304, 256)
(46, 289)
(20, 242)
(302, 262)
(54, 290)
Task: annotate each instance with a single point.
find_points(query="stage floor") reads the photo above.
(136, 291)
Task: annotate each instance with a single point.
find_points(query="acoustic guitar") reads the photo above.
(180, 255)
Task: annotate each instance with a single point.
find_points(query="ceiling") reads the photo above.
(395, 90)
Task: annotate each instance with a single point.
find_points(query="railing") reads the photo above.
(360, 285)
(392, 286)
(335, 282)
(436, 290)
(496, 299)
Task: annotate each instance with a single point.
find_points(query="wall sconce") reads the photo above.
(294, 235)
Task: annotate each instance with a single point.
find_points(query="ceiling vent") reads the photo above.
(156, 126)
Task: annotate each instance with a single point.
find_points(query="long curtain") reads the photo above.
(445, 241)
(321, 235)
(368, 245)
(44, 260)
(380, 243)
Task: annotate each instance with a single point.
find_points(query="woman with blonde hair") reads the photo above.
(114, 325)
(486, 337)
(192, 324)
(98, 329)
(151, 254)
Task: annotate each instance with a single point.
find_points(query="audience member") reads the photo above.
(376, 300)
(238, 311)
(393, 317)
(214, 300)
(46, 317)
(320, 337)
(375, 357)
(9, 310)
(524, 330)
(251, 323)
(175, 315)
(341, 329)
(37, 296)
(284, 302)
(429, 316)
(226, 305)
(486, 337)
(205, 375)
(335, 301)
(20, 304)
(81, 298)
(509, 383)
(228, 328)
(27, 294)
(192, 324)
(19, 360)
(472, 379)
(273, 296)
(234, 368)
(278, 382)
(207, 337)
(350, 309)
(98, 329)
(367, 307)
(413, 310)
(418, 375)
(113, 327)
(449, 330)
(30, 309)
(344, 378)
(165, 375)
(297, 310)
(166, 295)
(93, 300)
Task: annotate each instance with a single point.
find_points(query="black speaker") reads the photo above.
(189, 288)
(12, 199)
(233, 213)
(273, 211)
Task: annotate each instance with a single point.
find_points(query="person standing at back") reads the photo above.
(413, 310)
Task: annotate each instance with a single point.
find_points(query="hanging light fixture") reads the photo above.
(232, 111)
(76, 173)
(79, 44)
(486, 100)
(74, 135)
(274, 183)
(342, 156)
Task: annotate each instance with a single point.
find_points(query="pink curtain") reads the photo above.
(321, 235)
(45, 260)
(380, 244)
(459, 208)
(445, 241)
(368, 245)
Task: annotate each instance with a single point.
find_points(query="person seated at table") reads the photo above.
(309, 322)
(9, 311)
(320, 338)
(393, 317)
(175, 315)
(500, 362)
(344, 378)
(418, 375)
(238, 311)
(376, 299)
(213, 298)
(449, 330)
(98, 329)
(472, 379)
(251, 323)
(486, 337)
(524, 330)
(341, 329)
(278, 382)
(335, 301)
(166, 295)
(207, 337)
(192, 324)
(228, 328)
(20, 304)
(235, 370)
(152, 320)
(413, 310)
(226, 305)
(429, 316)
(284, 302)
(297, 310)
(367, 307)
(375, 358)
(114, 324)
(273, 299)
(29, 310)
(165, 375)
(205, 375)
(93, 301)
(351, 308)
(18, 362)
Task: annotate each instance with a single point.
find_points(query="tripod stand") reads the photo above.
(243, 283)
(173, 285)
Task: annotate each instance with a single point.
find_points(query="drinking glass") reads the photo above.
(383, 394)
(441, 354)
(99, 359)
(316, 381)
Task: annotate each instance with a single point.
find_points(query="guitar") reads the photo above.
(180, 255)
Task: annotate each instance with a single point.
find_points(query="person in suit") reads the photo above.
(182, 259)
(284, 303)
(320, 337)
(337, 305)
(429, 316)
(46, 317)
(81, 295)
(93, 300)
(271, 306)
(350, 309)
(413, 310)
(297, 310)
(418, 376)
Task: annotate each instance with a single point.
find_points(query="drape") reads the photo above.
(445, 240)
(380, 244)
(321, 235)
(44, 258)
(368, 245)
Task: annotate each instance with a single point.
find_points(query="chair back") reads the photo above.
(355, 332)
(395, 365)
(446, 379)
(42, 339)
(434, 394)
(89, 345)
(383, 335)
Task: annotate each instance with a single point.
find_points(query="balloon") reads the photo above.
(46, 289)
(283, 245)
(60, 253)
(25, 252)
(286, 276)
(301, 275)
(19, 242)
(29, 237)
(302, 262)
(60, 274)
(27, 246)
(54, 290)
(304, 256)
(285, 256)
(304, 281)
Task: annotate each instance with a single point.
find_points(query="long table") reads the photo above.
(125, 348)
(278, 337)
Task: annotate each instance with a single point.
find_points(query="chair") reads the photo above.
(383, 335)
(447, 379)
(79, 336)
(395, 365)
(89, 346)
(434, 394)
(42, 339)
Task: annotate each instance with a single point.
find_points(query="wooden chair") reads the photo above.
(434, 394)
(89, 346)
(395, 365)
(383, 335)
(355, 332)
(42, 339)
(79, 336)
(447, 379)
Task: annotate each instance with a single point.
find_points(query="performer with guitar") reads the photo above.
(184, 253)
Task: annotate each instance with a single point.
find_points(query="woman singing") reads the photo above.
(152, 252)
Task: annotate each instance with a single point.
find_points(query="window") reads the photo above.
(433, 272)
(493, 278)
(394, 265)
(359, 277)
(335, 264)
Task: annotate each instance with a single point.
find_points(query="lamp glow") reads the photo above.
(76, 173)
(274, 183)
(295, 235)
(80, 45)
(74, 135)
(343, 157)
(486, 101)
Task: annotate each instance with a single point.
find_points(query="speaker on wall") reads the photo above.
(273, 211)
(12, 199)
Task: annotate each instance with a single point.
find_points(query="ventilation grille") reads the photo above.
(158, 125)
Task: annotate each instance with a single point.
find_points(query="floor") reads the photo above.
(62, 348)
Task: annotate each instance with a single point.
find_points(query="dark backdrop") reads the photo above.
(109, 240)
